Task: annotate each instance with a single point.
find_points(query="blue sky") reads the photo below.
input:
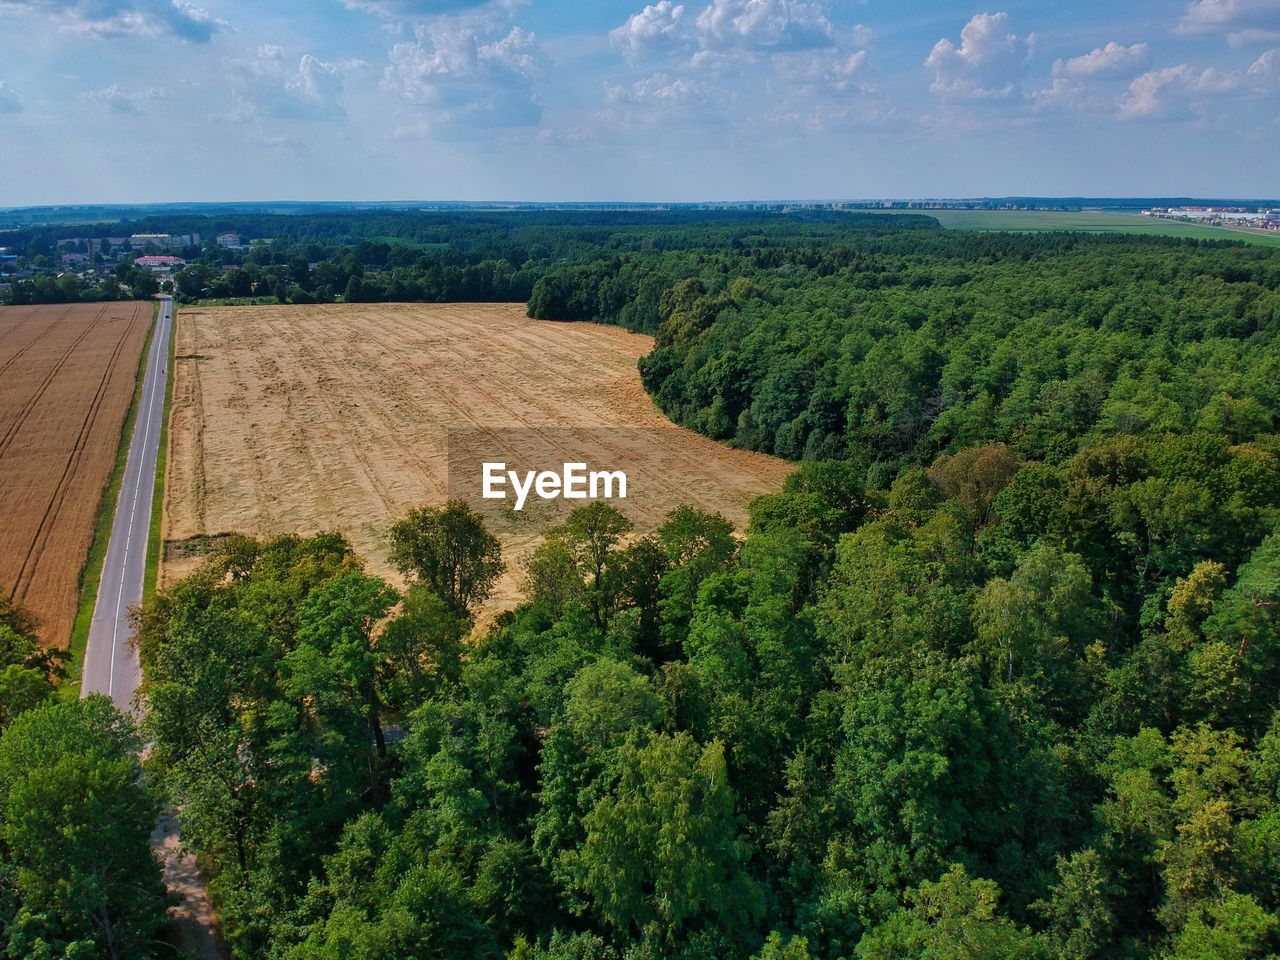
(154, 100)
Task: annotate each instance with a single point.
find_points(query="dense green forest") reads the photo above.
(433, 257)
(995, 676)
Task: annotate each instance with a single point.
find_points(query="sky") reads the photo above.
(165, 100)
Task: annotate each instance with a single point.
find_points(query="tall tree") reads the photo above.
(449, 550)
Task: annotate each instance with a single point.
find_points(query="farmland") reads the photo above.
(299, 419)
(67, 376)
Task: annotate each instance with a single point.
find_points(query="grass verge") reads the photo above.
(91, 572)
(154, 542)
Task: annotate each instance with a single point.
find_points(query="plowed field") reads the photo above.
(67, 375)
(299, 419)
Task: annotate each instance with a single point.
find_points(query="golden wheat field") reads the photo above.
(300, 419)
(67, 376)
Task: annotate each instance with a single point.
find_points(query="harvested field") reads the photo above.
(299, 419)
(67, 376)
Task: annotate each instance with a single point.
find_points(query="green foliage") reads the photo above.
(77, 877)
(29, 673)
(449, 551)
(955, 918)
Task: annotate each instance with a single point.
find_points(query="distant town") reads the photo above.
(1255, 218)
(112, 262)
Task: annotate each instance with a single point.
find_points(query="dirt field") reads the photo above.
(67, 375)
(302, 419)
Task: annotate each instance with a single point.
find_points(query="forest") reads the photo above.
(994, 676)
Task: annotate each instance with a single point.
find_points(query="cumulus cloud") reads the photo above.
(118, 100)
(763, 26)
(270, 85)
(659, 26)
(1166, 93)
(715, 54)
(988, 63)
(1243, 21)
(726, 30)
(1181, 92)
(1113, 60)
(116, 18)
(10, 102)
(466, 80)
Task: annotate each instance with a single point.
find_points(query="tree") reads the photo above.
(448, 550)
(335, 668)
(953, 918)
(421, 648)
(75, 821)
(662, 847)
(1237, 928)
(975, 476)
(592, 532)
(1037, 626)
(1078, 909)
(29, 673)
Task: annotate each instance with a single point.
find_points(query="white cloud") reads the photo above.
(412, 9)
(466, 81)
(1113, 60)
(657, 89)
(1182, 92)
(659, 26)
(1265, 71)
(812, 71)
(738, 61)
(763, 26)
(270, 86)
(10, 102)
(115, 18)
(118, 100)
(1243, 21)
(988, 63)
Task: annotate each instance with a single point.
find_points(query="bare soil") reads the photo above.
(67, 376)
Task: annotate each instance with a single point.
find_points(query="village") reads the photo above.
(94, 260)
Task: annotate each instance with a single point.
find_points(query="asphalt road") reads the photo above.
(110, 663)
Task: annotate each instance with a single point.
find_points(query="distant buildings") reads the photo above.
(1259, 218)
(165, 241)
(230, 241)
(160, 264)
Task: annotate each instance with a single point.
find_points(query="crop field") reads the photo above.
(300, 419)
(67, 377)
(1088, 221)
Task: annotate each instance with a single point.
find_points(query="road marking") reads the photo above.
(137, 491)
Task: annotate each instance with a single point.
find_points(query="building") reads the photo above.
(160, 264)
(164, 241)
(230, 240)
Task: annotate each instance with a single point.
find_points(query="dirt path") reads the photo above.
(193, 920)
